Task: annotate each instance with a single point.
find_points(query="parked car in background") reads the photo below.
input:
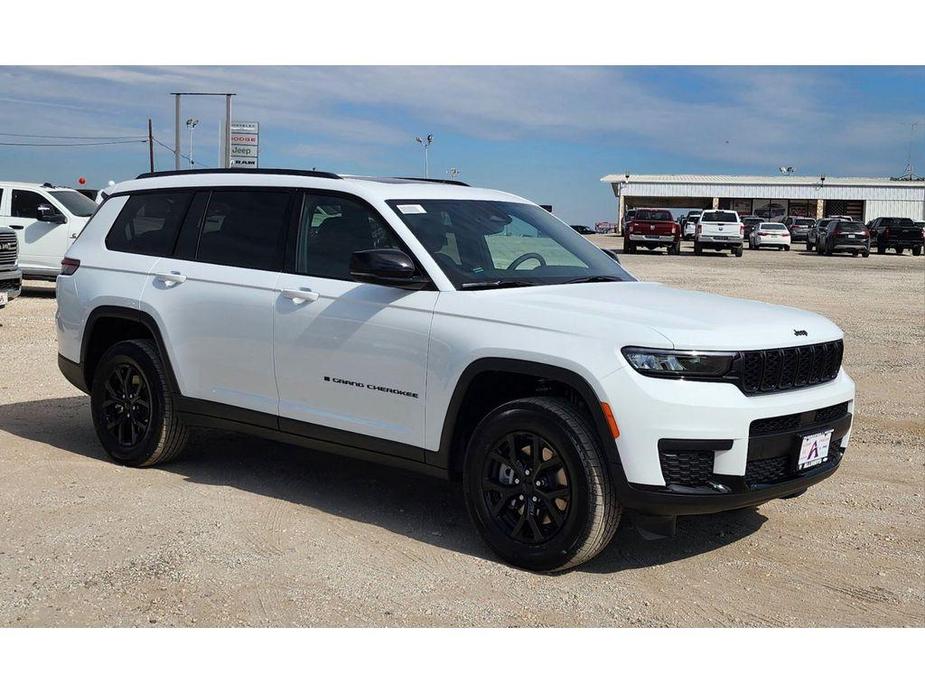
(10, 274)
(817, 231)
(844, 237)
(46, 219)
(719, 230)
(690, 225)
(627, 218)
(89, 192)
(769, 235)
(653, 229)
(583, 230)
(749, 224)
(898, 233)
(799, 227)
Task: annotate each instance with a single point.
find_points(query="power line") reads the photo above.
(68, 144)
(72, 137)
(171, 149)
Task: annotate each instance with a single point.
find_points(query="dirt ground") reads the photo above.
(246, 532)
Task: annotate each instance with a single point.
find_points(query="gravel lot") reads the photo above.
(246, 532)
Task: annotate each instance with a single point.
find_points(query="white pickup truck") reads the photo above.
(719, 230)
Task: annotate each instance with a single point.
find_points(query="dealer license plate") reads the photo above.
(814, 450)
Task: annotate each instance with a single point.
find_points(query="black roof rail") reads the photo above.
(448, 181)
(275, 172)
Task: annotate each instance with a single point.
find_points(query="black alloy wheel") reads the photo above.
(126, 411)
(526, 487)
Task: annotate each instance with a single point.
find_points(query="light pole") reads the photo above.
(191, 124)
(425, 142)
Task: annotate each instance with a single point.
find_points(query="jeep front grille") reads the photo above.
(774, 370)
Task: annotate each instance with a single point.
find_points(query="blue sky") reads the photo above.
(546, 133)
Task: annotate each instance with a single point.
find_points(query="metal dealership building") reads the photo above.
(772, 197)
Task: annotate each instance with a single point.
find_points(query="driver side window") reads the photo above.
(25, 203)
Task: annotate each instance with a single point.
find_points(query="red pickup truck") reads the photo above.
(653, 229)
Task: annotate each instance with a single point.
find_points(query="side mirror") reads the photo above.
(388, 266)
(48, 214)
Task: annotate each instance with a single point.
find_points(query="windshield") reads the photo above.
(719, 217)
(77, 204)
(479, 242)
(653, 216)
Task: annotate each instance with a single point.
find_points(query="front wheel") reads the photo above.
(133, 408)
(536, 485)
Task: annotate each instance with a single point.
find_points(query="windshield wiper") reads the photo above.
(595, 278)
(496, 284)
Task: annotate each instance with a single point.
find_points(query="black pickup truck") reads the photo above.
(898, 233)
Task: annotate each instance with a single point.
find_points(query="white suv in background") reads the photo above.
(457, 331)
(46, 219)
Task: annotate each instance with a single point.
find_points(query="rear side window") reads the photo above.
(245, 228)
(148, 223)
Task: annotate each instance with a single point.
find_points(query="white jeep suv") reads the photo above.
(458, 331)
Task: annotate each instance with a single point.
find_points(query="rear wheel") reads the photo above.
(629, 247)
(899, 250)
(737, 252)
(916, 250)
(881, 249)
(132, 406)
(675, 248)
(786, 248)
(536, 485)
(698, 249)
(865, 254)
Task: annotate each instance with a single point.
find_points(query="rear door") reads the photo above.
(214, 299)
(350, 356)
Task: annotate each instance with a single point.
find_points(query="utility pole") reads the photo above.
(150, 146)
(176, 133)
(191, 124)
(228, 131)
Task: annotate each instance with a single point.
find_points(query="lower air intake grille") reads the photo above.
(782, 468)
(686, 468)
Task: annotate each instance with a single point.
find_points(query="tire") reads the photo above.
(818, 249)
(629, 247)
(503, 508)
(786, 248)
(698, 249)
(865, 254)
(737, 252)
(127, 368)
(899, 250)
(881, 250)
(675, 248)
(809, 245)
(916, 250)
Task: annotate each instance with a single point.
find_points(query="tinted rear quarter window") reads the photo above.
(148, 223)
(245, 228)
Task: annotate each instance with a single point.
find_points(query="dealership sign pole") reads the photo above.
(244, 144)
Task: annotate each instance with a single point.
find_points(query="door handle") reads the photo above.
(16, 226)
(300, 296)
(171, 278)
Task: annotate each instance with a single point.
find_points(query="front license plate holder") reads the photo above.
(814, 449)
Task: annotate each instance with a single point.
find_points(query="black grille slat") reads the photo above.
(772, 370)
(686, 468)
(790, 422)
(8, 257)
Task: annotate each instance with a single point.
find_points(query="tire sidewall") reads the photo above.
(132, 354)
(568, 541)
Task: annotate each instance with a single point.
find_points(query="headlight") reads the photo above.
(670, 363)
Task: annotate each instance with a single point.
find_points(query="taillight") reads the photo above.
(697, 230)
(741, 231)
(69, 266)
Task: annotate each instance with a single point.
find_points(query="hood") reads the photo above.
(632, 310)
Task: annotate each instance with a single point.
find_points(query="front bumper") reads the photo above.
(11, 282)
(655, 415)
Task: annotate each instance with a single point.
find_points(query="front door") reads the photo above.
(42, 245)
(350, 356)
